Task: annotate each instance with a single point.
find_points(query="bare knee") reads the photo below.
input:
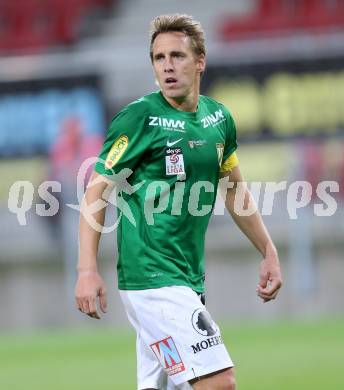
(228, 380)
(231, 384)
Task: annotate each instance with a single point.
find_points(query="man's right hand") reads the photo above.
(89, 288)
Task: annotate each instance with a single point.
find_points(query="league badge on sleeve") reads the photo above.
(116, 151)
(174, 161)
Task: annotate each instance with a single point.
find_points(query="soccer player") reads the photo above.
(176, 144)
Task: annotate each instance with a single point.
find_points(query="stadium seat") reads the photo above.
(281, 17)
(34, 24)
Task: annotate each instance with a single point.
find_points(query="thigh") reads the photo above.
(224, 379)
(177, 331)
(150, 373)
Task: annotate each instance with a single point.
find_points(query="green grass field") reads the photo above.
(293, 356)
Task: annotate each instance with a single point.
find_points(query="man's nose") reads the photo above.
(168, 65)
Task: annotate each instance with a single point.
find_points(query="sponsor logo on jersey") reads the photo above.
(174, 161)
(166, 352)
(203, 323)
(220, 147)
(116, 151)
(167, 123)
(197, 143)
(207, 343)
(171, 143)
(213, 119)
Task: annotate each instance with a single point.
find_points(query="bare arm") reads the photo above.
(253, 227)
(90, 285)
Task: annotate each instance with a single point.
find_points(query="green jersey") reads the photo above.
(175, 159)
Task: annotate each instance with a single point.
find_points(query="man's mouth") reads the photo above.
(170, 81)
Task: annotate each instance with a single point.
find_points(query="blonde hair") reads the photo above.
(178, 23)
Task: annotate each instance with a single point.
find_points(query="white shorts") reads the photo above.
(177, 340)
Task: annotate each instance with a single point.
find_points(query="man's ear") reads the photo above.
(201, 63)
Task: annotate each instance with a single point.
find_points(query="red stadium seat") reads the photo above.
(35, 24)
(280, 17)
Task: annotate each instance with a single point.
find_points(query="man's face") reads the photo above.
(176, 67)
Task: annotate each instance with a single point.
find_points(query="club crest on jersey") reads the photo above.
(116, 151)
(197, 143)
(167, 123)
(213, 119)
(220, 148)
(174, 161)
(166, 352)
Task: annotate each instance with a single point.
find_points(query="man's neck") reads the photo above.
(188, 103)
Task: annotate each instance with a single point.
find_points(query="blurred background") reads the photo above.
(66, 68)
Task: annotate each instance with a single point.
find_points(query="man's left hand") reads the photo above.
(270, 280)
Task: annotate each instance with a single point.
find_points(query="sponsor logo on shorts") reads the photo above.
(166, 352)
(116, 151)
(208, 343)
(203, 323)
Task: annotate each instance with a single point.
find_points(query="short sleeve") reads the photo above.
(230, 136)
(126, 141)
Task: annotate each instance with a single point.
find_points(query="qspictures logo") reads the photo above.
(158, 195)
